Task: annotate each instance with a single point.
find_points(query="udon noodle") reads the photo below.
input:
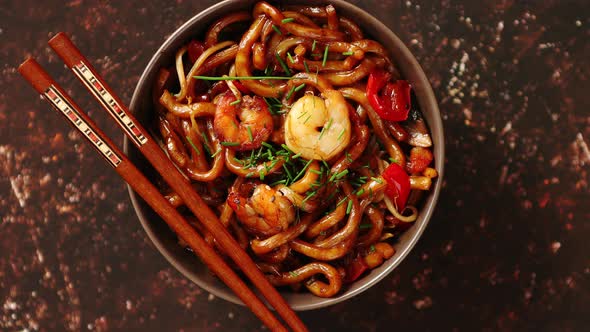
(300, 132)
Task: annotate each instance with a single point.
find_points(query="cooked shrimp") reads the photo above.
(265, 212)
(316, 128)
(254, 126)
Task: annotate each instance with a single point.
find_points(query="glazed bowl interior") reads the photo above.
(166, 241)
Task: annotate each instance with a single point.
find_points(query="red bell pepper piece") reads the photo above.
(398, 185)
(355, 269)
(391, 100)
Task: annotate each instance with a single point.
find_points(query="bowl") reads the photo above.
(187, 263)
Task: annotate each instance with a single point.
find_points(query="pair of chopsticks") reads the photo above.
(59, 99)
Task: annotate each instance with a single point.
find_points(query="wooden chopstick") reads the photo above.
(60, 100)
(74, 59)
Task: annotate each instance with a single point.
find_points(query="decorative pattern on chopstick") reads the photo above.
(57, 100)
(89, 79)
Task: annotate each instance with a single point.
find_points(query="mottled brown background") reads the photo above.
(508, 247)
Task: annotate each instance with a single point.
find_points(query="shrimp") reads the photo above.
(255, 123)
(316, 128)
(266, 212)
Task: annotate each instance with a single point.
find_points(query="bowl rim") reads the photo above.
(427, 97)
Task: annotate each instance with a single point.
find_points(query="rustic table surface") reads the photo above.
(507, 248)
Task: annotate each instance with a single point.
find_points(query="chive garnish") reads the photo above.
(261, 174)
(349, 207)
(235, 102)
(290, 57)
(315, 171)
(341, 134)
(205, 137)
(289, 175)
(267, 145)
(290, 92)
(329, 124)
(310, 195)
(287, 20)
(360, 192)
(283, 65)
(250, 133)
(325, 55)
(216, 153)
(348, 53)
(296, 156)
(302, 171)
(234, 78)
(299, 87)
(313, 45)
(193, 145)
(341, 201)
(230, 143)
(372, 249)
(393, 160)
(378, 180)
(278, 182)
(293, 274)
(306, 67)
(276, 28)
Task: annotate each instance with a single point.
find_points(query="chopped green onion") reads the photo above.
(290, 57)
(278, 182)
(293, 274)
(315, 171)
(313, 45)
(299, 87)
(341, 201)
(237, 101)
(341, 174)
(276, 28)
(347, 53)
(288, 20)
(216, 153)
(325, 55)
(306, 67)
(267, 145)
(348, 157)
(341, 134)
(302, 171)
(205, 139)
(289, 175)
(250, 133)
(230, 143)
(193, 145)
(329, 124)
(378, 180)
(393, 160)
(310, 195)
(290, 92)
(296, 155)
(283, 65)
(349, 207)
(261, 174)
(234, 78)
(360, 192)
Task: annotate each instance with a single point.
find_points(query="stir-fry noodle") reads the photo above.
(298, 129)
